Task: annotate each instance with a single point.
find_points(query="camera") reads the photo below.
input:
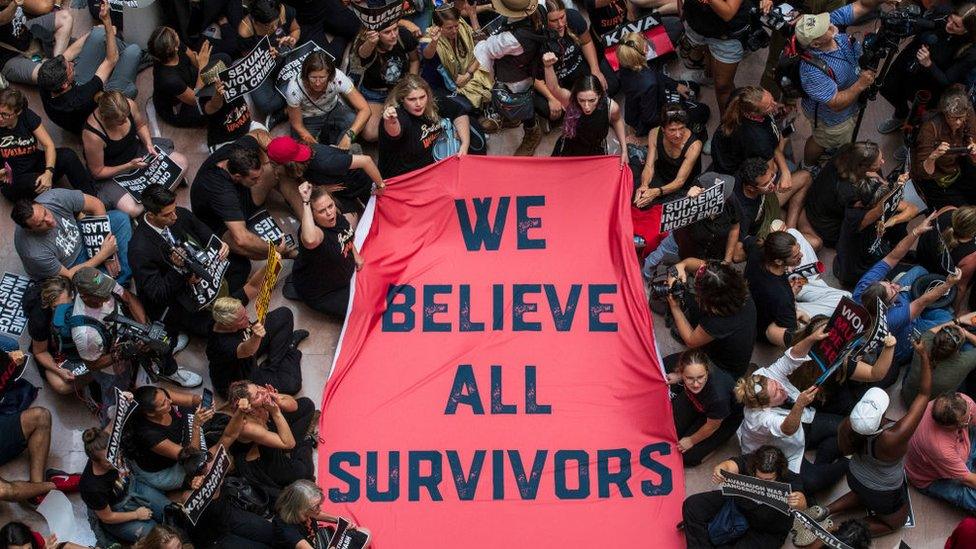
(895, 25)
(660, 289)
(194, 259)
(131, 335)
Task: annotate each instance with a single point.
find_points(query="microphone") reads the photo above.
(928, 39)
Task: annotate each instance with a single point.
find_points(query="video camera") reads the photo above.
(131, 336)
(660, 289)
(780, 18)
(896, 25)
(194, 259)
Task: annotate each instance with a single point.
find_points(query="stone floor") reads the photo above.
(934, 520)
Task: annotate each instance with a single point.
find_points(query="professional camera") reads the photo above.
(131, 336)
(660, 289)
(896, 25)
(194, 259)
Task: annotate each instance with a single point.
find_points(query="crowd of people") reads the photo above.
(368, 105)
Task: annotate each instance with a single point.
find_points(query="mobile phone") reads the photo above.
(207, 400)
(958, 150)
(148, 158)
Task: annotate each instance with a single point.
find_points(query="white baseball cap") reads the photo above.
(868, 412)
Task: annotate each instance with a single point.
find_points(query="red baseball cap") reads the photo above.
(284, 149)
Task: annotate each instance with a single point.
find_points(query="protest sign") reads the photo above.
(207, 288)
(201, 497)
(345, 537)
(291, 65)
(380, 17)
(767, 492)
(808, 271)
(497, 302)
(266, 227)
(117, 5)
(879, 329)
(848, 321)
(13, 321)
(271, 272)
(888, 210)
(686, 210)
(123, 409)
(658, 41)
(248, 72)
(161, 170)
(822, 534)
(94, 230)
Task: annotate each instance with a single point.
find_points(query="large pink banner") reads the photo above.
(496, 383)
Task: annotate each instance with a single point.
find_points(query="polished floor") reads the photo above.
(934, 520)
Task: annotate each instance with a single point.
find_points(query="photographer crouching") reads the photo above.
(110, 330)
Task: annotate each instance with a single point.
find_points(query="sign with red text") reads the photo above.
(844, 328)
(497, 366)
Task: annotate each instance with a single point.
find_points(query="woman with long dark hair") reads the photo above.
(705, 412)
(323, 104)
(589, 115)
(272, 19)
(673, 160)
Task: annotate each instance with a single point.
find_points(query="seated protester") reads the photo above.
(964, 535)
(723, 312)
(761, 196)
(778, 413)
(177, 74)
(715, 237)
(951, 351)
(161, 536)
(52, 28)
(767, 268)
(315, 109)
(236, 345)
(31, 430)
(116, 139)
(749, 130)
(99, 296)
(328, 23)
(231, 186)
(386, 55)
(449, 45)
(68, 86)
(48, 239)
(158, 431)
(833, 188)
(831, 99)
(932, 62)
(193, 20)
(226, 121)
(17, 535)
(126, 508)
(952, 244)
(935, 171)
(158, 251)
(276, 21)
(298, 518)
(275, 447)
(673, 160)
(859, 247)
(705, 412)
(410, 127)
(327, 257)
(903, 313)
(568, 39)
(813, 295)
(33, 162)
(590, 113)
(39, 304)
(939, 459)
(350, 176)
(768, 528)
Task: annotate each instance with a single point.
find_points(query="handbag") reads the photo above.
(244, 495)
(513, 106)
(728, 525)
(447, 143)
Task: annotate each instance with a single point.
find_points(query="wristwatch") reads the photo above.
(49, 169)
(351, 134)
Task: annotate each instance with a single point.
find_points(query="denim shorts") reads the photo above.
(724, 50)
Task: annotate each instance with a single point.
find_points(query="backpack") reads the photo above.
(788, 69)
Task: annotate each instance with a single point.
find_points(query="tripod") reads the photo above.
(871, 93)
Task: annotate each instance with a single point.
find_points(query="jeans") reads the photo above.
(8, 343)
(266, 98)
(329, 127)
(140, 495)
(122, 229)
(952, 490)
(92, 54)
(168, 479)
(930, 317)
(667, 250)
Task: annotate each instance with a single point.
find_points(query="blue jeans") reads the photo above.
(952, 490)
(665, 251)
(266, 97)
(8, 343)
(140, 495)
(329, 127)
(123, 77)
(168, 479)
(122, 229)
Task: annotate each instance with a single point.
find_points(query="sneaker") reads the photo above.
(901, 154)
(298, 336)
(181, 342)
(890, 125)
(183, 378)
(804, 537)
(63, 481)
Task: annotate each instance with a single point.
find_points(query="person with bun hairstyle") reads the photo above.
(705, 412)
(952, 244)
(449, 45)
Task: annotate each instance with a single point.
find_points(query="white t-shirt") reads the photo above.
(296, 96)
(87, 339)
(762, 425)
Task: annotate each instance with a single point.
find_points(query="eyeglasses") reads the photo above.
(9, 115)
(318, 78)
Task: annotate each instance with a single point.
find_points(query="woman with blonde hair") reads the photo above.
(298, 518)
(411, 126)
(117, 141)
(952, 244)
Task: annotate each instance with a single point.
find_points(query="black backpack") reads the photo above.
(788, 69)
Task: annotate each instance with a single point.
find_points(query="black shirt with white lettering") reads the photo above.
(18, 146)
(412, 149)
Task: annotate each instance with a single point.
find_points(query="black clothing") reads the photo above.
(707, 238)
(733, 336)
(66, 164)
(225, 525)
(118, 151)
(704, 21)
(931, 252)
(281, 368)
(528, 64)
(666, 168)
(825, 204)
(752, 139)
(644, 97)
(775, 302)
(321, 275)
(101, 491)
(245, 45)
(288, 535)
(591, 133)
(412, 149)
(329, 165)
(71, 109)
(768, 528)
(605, 19)
(714, 401)
(854, 253)
(571, 65)
(382, 70)
(215, 198)
(168, 83)
(146, 434)
(18, 146)
(750, 211)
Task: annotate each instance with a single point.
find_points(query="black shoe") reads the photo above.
(298, 336)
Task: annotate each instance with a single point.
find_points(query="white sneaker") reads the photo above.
(184, 378)
(181, 342)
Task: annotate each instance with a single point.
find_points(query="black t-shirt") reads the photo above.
(750, 211)
(775, 302)
(382, 70)
(329, 266)
(147, 434)
(734, 337)
(328, 164)
(283, 30)
(825, 203)
(71, 109)
(791, 478)
(854, 256)
(231, 121)
(169, 82)
(707, 238)
(18, 146)
(225, 366)
(571, 64)
(751, 139)
(287, 535)
(100, 491)
(412, 149)
(714, 401)
(606, 18)
(38, 318)
(214, 196)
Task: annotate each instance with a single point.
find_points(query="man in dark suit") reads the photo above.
(160, 273)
